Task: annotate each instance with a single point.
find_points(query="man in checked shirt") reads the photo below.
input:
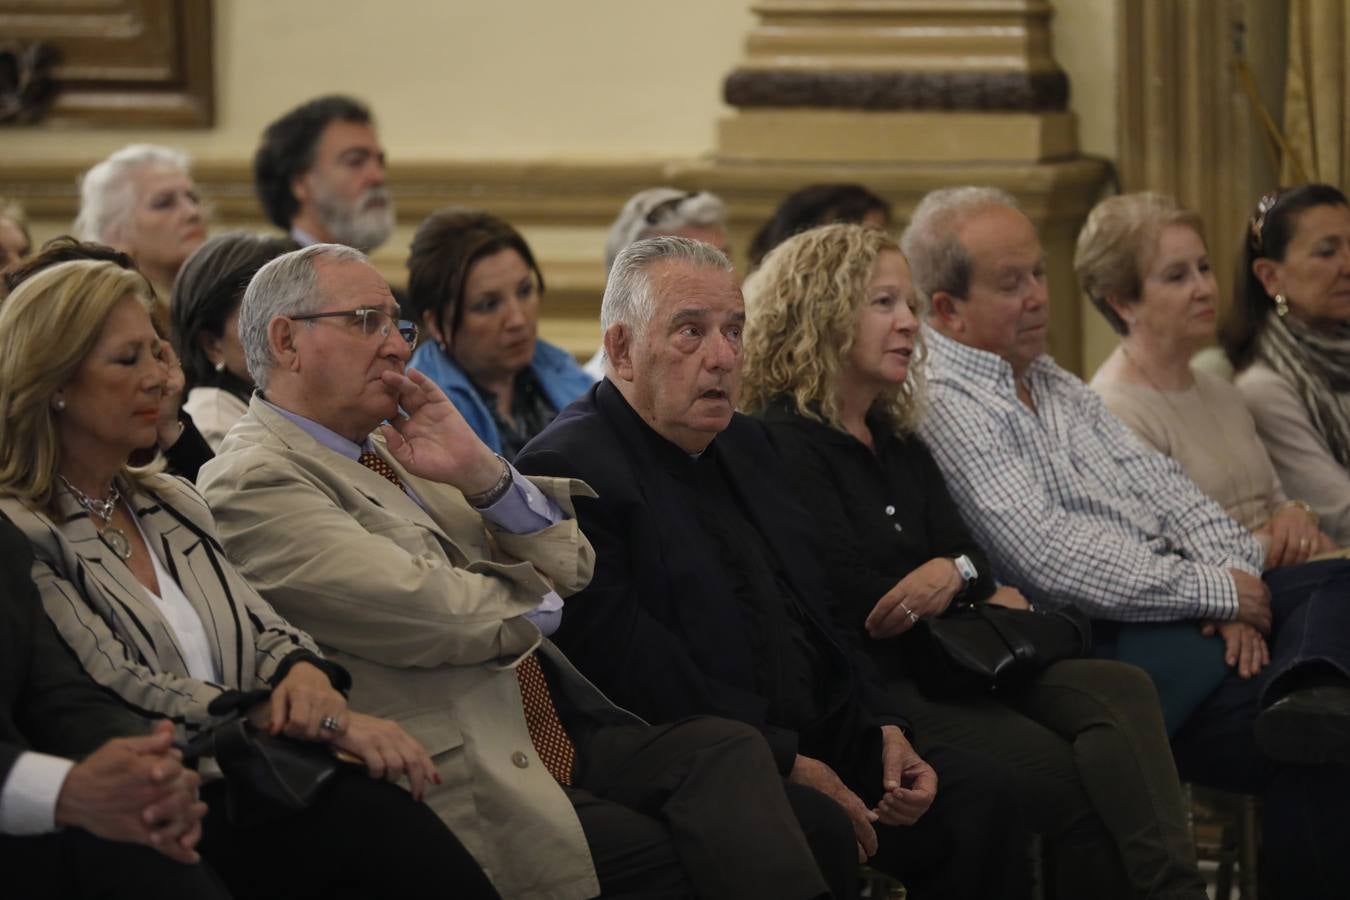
(1072, 508)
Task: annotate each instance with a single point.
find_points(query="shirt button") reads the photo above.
(897, 527)
(890, 510)
(520, 759)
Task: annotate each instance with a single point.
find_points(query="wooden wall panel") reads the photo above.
(121, 63)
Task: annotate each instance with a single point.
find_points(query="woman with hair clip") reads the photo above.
(1288, 336)
(474, 286)
(832, 366)
(205, 314)
(131, 573)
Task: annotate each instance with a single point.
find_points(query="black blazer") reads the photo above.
(659, 628)
(47, 703)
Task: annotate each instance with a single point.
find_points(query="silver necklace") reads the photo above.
(112, 537)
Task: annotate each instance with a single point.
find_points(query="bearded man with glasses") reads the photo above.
(431, 569)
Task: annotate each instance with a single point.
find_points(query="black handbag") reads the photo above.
(267, 777)
(976, 648)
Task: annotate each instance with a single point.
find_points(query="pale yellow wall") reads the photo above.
(463, 79)
(1085, 47)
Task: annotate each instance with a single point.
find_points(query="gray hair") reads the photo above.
(629, 299)
(661, 210)
(286, 286)
(107, 192)
(937, 260)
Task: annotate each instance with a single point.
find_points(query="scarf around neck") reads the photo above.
(1317, 364)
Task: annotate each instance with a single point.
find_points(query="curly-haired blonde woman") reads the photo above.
(832, 354)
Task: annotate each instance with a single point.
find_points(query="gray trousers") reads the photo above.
(1095, 775)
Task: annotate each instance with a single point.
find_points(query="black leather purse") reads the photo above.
(976, 648)
(267, 777)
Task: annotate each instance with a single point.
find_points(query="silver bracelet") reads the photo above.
(496, 492)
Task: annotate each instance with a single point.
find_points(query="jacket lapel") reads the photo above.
(109, 585)
(190, 560)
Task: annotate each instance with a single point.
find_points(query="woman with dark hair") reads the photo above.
(474, 286)
(832, 367)
(1288, 336)
(819, 204)
(205, 313)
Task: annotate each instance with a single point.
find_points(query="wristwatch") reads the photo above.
(966, 569)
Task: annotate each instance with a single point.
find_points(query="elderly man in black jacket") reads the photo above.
(707, 598)
(129, 790)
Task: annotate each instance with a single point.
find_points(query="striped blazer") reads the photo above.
(112, 624)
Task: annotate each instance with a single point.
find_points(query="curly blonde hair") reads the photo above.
(802, 308)
(47, 327)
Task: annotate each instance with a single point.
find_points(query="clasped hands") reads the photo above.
(1245, 647)
(305, 700)
(909, 785)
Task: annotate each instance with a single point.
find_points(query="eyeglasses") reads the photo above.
(372, 320)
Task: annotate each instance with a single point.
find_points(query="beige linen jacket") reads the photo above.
(115, 629)
(425, 608)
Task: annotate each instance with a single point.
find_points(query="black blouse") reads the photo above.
(879, 515)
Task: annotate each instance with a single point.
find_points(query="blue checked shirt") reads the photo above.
(1070, 506)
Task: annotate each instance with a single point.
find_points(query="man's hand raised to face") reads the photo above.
(432, 440)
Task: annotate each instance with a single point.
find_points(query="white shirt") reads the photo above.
(198, 655)
(28, 798)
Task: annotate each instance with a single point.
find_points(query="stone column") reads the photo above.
(906, 96)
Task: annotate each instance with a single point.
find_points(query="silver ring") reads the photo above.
(909, 612)
(329, 723)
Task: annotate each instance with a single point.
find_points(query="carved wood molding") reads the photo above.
(1003, 91)
(121, 63)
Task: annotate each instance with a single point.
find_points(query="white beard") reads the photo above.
(365, 224)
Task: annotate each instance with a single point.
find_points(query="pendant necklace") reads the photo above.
(112, 537)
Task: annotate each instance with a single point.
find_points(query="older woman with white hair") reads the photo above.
(142, 201)
(698, 215)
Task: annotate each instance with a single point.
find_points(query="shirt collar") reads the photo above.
(302, 237)
(322, 433)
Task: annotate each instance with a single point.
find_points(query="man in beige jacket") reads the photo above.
(428, 566)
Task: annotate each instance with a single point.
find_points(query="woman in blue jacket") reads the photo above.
(474, 286)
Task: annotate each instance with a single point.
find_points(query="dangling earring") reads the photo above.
(220, 367)
(441, 345)
(59, 404)
(1281, 306)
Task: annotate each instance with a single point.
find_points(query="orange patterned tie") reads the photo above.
(373, 461)
(541, 716)
(547, 734)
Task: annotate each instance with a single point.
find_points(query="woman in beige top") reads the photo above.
(1288, 336)
(1142, 261)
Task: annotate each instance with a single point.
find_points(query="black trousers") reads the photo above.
(971, 843)
(362, 839)
(75, 865)
(696, 808)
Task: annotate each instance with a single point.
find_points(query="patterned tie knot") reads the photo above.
(373, 461)
(547, 734)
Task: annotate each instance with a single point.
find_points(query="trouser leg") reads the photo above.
(971, 843)
(1107, 714)
(75, 865)
(1305, 831)
(714, 786)
(632, 853)
(1084, 857)
(1311, 612)
(362, 838)
(830, 834)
